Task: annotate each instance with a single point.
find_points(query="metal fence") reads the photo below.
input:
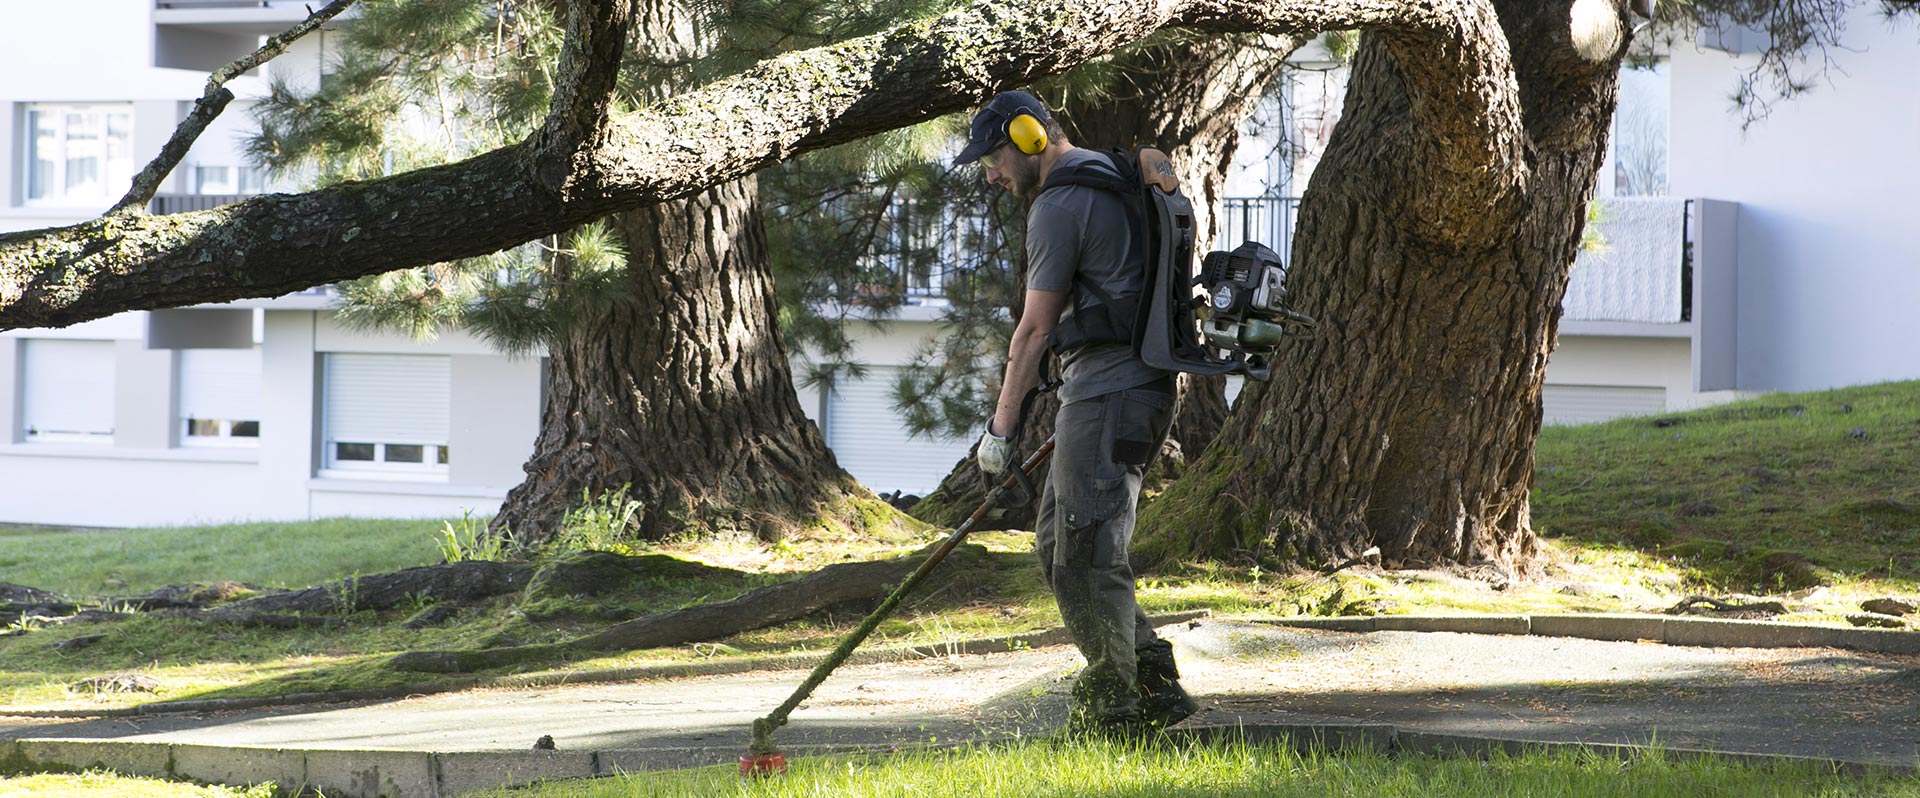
(164, 4)
(1268, 220)
(182, 203)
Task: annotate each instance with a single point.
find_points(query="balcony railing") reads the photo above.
(181, 203)
(1643, 271)
(1268, 220)
(210, 3)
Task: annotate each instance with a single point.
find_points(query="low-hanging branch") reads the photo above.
(787, 105)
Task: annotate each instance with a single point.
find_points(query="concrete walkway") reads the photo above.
(1385, 689)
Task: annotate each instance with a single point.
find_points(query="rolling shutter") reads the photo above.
(68, 388)
(387, 398)
(221, 384)
(1585, 404)
(870, 441)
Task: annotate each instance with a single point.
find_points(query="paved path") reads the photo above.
(1823, 703)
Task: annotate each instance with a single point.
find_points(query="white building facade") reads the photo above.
(1780, 257)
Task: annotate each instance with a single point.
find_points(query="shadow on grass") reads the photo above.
(257, 663)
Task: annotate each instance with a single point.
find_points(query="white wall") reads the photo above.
(1636, 362)
(1829, 249)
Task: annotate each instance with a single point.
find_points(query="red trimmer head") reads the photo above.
(757, 766)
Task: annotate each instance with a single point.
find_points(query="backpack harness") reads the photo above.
(1233, 327)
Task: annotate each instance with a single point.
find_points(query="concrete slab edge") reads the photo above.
(783, 662)
(1670, 630)
(407, 774)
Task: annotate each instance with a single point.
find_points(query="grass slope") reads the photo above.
(1828, 475)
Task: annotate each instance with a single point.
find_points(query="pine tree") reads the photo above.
(667, 372)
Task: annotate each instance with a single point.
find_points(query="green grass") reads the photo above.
(97, 784)
(124, 562)
(1828, 475)
(1609, 498)
(1267, 771)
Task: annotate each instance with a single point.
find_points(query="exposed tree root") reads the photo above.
(460, 581)
(756, 609)
(1702, 605)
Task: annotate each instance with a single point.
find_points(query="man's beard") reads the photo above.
(1025, 171)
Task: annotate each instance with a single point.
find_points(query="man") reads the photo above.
(1084, 261)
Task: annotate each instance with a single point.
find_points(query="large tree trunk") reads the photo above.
(1188, 95)
(1409, 422)
(681, 391)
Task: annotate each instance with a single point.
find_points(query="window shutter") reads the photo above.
(1583, 404)
(387, 398)
(870, 440)
(220, 384)
(69, 386)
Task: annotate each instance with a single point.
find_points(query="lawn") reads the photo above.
(1051, 769)
(1635, 514)
(123, 562)
(1827, 476)
(95, 784)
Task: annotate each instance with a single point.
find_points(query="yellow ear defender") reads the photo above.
(1026, 133)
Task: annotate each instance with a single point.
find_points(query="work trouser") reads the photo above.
(1101, 450)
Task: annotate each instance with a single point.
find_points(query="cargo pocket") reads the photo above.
(1137, 423)
(1085, 529)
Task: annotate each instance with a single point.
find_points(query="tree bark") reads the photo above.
(1188, 96)
(682, 390)
(1409, 422)
(582, 166)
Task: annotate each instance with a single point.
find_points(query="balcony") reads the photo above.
(1644, 283)
(256, 17)
(205, 35)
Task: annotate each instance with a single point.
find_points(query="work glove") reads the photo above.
(992, 453)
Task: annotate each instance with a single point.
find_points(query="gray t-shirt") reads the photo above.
(1083, 230)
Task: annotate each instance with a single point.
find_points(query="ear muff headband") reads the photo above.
(1026, 133)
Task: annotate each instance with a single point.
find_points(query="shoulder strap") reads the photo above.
(1114, 171)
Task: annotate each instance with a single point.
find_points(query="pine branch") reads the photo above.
(210, 105)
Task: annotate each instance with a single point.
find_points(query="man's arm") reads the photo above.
(1037, 320)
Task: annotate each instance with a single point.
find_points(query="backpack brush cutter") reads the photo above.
(763, 758)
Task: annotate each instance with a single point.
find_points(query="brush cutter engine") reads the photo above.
(1244, 308)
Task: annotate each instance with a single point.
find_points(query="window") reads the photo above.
(386, 413)
(219, 397)
(1637, 156)
(67, 391)
(79, 153)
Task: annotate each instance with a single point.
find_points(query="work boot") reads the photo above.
(1103, 709)
(1163, 702)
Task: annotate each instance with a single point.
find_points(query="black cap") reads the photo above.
(989, 129)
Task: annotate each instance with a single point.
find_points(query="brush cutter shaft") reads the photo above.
(763, 728)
